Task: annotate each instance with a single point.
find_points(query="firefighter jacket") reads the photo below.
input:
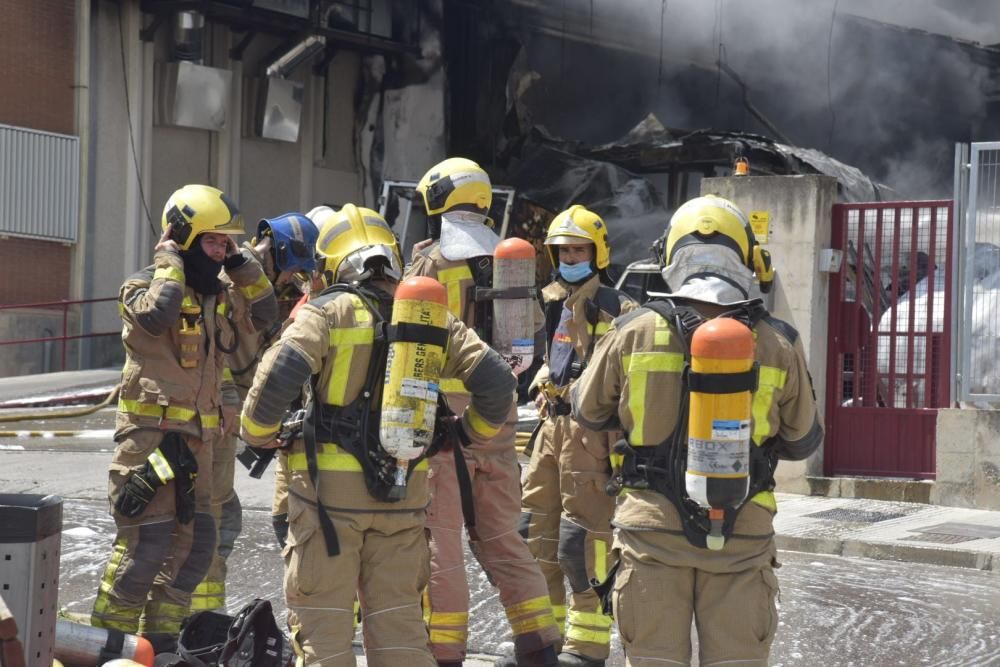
(331, 338)
(252, 342)
(634, 381)
(577, 318)
(458, 279)
(176, 342)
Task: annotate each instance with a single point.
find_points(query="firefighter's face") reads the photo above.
(575, 253)
(214, 245)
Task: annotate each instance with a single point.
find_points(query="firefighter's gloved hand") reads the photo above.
(280, 524)
(186, 468)
(138, 492)
(141, 486)
(451, 433)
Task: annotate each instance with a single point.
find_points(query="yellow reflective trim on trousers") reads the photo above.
(559, 612)
(480, 425)
(579, 634)
(258, 430)
(600, 559)
(104, 608)
(169, 273)
(541, 603)
(533, 624)
(768, 379)
(588, 619)
(161, 466)
(256, 288)
(448, 636)
(451, 618)
(134, 407)
(451, 279)
(160, 616)
(767, 500)
(334, 459)
(638, 366)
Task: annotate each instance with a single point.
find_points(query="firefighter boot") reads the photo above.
(574, 660)
(545, 657)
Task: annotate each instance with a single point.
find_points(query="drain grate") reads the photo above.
(855, 515)
(938, 538)
(973, 531)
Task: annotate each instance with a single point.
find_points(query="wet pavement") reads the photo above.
(908, 608)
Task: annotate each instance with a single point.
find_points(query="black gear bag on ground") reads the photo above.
(250, 639)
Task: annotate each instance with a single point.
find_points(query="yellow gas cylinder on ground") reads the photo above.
(418, 337)
(514, 315)
(718, 459)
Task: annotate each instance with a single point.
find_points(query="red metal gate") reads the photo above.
(889, 355)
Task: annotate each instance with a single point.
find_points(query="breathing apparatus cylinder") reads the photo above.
(514, 319)
(417, 341)
(84, 645)
(718, 457)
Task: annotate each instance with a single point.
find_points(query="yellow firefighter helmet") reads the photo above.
(456, 184)
(350, 240)
(577, 225)
(715, 220)
(197, 209)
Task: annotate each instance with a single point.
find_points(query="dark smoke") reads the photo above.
(891, 101)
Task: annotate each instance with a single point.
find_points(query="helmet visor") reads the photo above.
(362, 262)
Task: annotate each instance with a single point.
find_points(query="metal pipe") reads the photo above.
(296, 55)
(189, 37)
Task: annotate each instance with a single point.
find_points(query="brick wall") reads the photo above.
(37, 63)
(33, 271)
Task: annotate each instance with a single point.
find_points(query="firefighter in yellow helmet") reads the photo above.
(180, 316)
(285, 247)
(681, 559)
(457, 193)
(565, 513)
(349, 531)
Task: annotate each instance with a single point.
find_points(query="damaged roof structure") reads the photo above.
(624, 108)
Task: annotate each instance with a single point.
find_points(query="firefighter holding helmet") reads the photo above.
(711, 391)
(357, 500)
(180, 317)
(285, 247)
(566, 514)
(480, 485)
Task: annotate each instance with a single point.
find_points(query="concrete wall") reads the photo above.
(799, 210)
(264, 177)
(968, 459)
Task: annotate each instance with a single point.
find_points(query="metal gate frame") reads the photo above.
(867, 433)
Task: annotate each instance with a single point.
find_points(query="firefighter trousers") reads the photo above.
(730, 596)
(566, 517)
(508, 563)
(383, 560)
(156, 561)
(227, 512)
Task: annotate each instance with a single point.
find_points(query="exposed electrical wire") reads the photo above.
(829, 86)
(128, 113)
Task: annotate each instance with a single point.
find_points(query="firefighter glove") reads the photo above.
(141, 486)
(187, 472)
(280, 524)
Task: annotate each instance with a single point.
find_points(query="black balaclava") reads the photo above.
(201, 272)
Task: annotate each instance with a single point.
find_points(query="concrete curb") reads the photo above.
(883, 551)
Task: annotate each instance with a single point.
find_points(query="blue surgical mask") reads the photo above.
(575, 273)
